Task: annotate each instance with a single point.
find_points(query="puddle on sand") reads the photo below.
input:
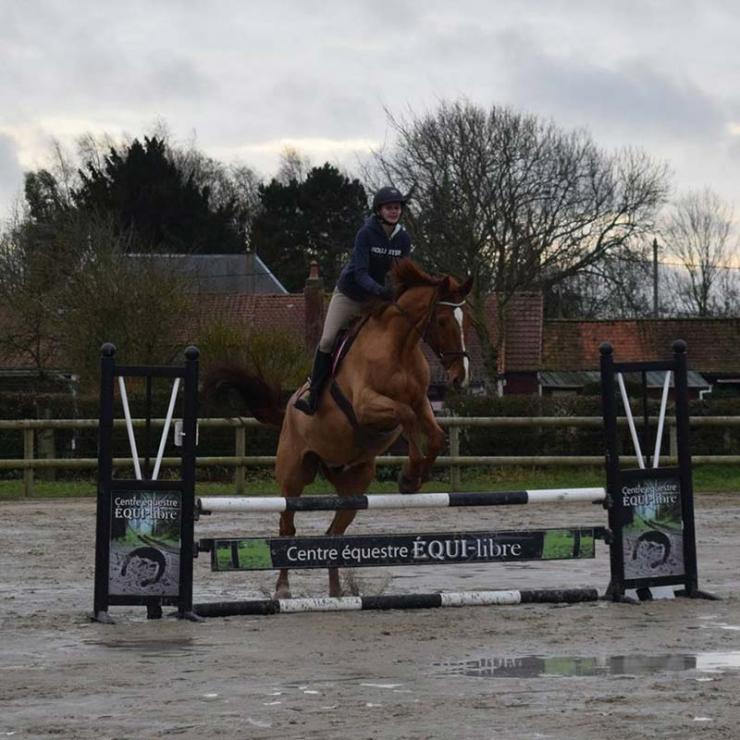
(150, 648)
(535, 666)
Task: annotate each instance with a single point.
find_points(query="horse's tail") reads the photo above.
(264, 400)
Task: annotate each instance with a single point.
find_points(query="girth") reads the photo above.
(364, 435)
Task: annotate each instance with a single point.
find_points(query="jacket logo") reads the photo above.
(386, 250)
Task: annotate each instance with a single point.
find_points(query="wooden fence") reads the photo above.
(240, 461)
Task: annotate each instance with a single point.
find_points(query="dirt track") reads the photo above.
(652, 670)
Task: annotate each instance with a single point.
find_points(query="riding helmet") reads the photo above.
(386, 195)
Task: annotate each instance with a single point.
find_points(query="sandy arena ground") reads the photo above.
(667, 669)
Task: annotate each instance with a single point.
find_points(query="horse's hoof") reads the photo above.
(282, 593)
(408, 485)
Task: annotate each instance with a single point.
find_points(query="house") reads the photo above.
(570, 354)
(537, 355)
(303, 315)
(521, 354)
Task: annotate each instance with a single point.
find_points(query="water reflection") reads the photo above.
(167, 648)
(533, 666)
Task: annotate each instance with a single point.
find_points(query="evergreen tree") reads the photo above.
(300, 221)
(149, 195)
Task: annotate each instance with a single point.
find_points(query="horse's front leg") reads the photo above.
(376, 410)
(287, 529)
(342, 520)
(435, 439)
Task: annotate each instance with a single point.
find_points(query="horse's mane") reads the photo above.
(405, 274)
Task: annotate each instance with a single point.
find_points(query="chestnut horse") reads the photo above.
(383, 379)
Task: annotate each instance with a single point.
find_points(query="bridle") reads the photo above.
(441, 355)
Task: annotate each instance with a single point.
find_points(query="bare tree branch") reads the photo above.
(699, 235)
(514, 200)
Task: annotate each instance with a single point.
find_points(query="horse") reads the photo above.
(378, 393)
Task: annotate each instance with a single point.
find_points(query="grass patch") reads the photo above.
(707, 478)
(13, 489)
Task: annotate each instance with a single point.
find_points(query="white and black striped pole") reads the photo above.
(235, 504)
(398, 601)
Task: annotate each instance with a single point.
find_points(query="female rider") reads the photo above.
(378, 244)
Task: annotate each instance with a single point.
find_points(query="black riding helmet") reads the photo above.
(388, 195)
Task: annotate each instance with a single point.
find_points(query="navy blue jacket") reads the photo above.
(363, 277)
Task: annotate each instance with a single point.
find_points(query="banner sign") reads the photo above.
(145, 543)
(652, 534)
(255, 553)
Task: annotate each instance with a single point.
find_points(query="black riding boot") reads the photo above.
(321, 369)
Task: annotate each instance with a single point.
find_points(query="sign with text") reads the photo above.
(145, 543)
(652, 535)
(255, 553)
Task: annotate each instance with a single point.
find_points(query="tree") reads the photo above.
(28, 289)
(515, 201)
(277, 354)
(226, 184)
(699, 236)
(110, 296)
(618, 286)
(305, 220)
(293, 166)
(145, 190)
(43, 197)
(30, 282)
(67, 278)
(64, 295)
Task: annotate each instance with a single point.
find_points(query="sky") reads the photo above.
(242, 80)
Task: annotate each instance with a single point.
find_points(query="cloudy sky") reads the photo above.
(244, 79)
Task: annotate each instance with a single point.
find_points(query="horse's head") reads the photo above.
(448, 327)
(435, 305)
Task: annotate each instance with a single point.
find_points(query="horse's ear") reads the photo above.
(466, 286)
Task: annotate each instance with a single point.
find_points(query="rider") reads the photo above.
(378, 244)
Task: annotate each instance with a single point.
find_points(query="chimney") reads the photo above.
(313, 294)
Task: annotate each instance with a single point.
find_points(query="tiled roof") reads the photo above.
(287, 312)
(522, 346)
(713, 344)
(523, 342)
(261, 312)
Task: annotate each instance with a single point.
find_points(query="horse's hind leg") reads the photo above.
(353, 481)
(287, 529)
(292, 482)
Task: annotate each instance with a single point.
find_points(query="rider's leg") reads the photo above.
(319, 374)
(341, 310)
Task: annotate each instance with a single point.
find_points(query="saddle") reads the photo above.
(345, 339)
(342, 345)
(344, 342)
